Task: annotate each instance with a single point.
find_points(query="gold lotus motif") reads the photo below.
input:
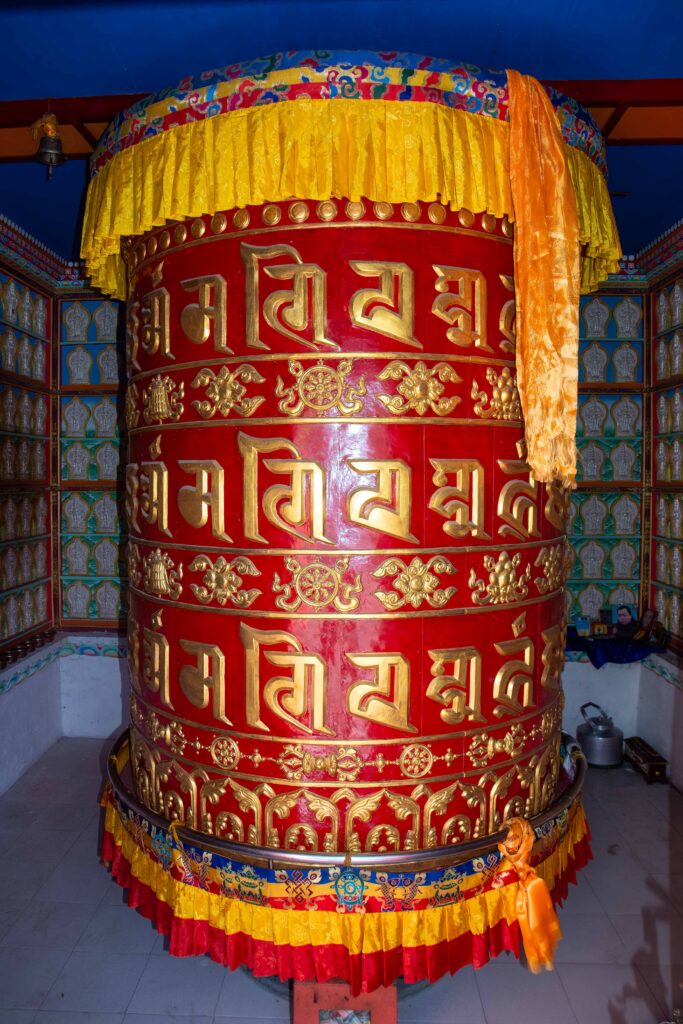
(415, 583)
(226, 391)
(222, 581)
(504, 402)
(504, 585)
(420, 388)
(553, 562)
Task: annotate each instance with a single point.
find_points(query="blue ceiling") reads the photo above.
(84, 49)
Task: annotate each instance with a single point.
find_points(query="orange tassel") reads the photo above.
(536, 915)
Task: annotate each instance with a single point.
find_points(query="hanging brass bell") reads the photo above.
(49, 152)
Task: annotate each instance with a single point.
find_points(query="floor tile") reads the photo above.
(26, 975)
(119, 929)
(155, 1018)
(17, 1016)
(73, 1017)
(265, 997)
(665, 983)
(47, 844)
(580, 899)
(511, 994)
(452, 1000)
(96, 982)
(24, 877)
(176, 986)
(12, 909)
(651, 938)
(48, 925)
(114, 895)
(659, 855)
(76, 882)
(590, 938)
(614, 993)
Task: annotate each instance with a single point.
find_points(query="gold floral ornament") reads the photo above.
(317, 585)
(320, 388)
(415, 583)
(225, 752)
(171, 733)
(298, 763)
(162, 400)
(222, 580)
(553, 561)
(226, 391)
(504, 402)
(420, 388)
(415, 761)
(131, 411)
(504, 584)
(160, 575)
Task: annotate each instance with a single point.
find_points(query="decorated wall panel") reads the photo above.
(667, 455)
(25, 458)
(90, 421)
(607, 507)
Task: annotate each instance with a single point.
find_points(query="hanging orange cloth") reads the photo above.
(535, 911)
(547, 277)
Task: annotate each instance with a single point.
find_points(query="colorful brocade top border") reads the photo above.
(328, 75)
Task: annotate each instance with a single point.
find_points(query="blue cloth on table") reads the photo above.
(603, 649)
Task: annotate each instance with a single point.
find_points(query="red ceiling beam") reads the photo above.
(72, 110)
(613, 92)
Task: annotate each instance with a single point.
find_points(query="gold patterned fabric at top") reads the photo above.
(396, 152)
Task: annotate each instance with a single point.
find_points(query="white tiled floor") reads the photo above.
(72, 953)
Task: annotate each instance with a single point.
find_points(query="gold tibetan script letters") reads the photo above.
(385, 700)
(207, 674)
(389, 309)
(386, 506)
(155, 316)
(292, 683)
(288, 312)
(304, 692)
(287, 506)
(154, 495)
(462, 304)
(518, 499)
(463, 503)
(196, 317)
(155, 662)
(460, 689)
(513, 685)
(207, 495)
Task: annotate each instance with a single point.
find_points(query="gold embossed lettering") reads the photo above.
(288, 312)
(131, 503)
(154, 495)
(291, 697)
(462, 304)
(458, 690)
(386, 507)
(196, 318)
(207, 674)
(155, 329)
(385, 699)
(289, 507)
(389, 309)
(155, 670)
(207, 495)
(462, 503)
(513, 685)
(518, 499)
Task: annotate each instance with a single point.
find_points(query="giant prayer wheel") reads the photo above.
(346, 555)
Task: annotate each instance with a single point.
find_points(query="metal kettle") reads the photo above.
(599, 738)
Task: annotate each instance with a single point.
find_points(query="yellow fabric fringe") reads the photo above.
(358, 933)
(384, 150)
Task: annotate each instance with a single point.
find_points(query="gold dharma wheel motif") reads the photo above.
(317, 584)
(416, 760)
(224, 752)
(320, 387)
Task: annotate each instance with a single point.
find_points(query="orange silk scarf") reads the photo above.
(547, 278)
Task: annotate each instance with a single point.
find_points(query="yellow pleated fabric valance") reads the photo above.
(396, 129)
(388, 151)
